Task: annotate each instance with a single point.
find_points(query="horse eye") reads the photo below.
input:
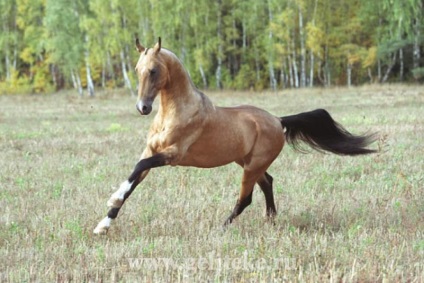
(152, 72)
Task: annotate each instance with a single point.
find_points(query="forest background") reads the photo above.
(48, 45)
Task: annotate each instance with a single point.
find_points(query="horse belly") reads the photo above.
(215, 150)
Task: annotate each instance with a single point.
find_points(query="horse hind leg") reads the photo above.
(245, 198)
(238, 209)
(265, 183)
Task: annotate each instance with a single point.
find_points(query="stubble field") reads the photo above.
(350, 219)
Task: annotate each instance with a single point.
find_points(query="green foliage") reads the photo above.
(315, 40)
(16, 84)
(245, 78)
(48, 44)
(418, 73)
(64, 40)
(370, 57)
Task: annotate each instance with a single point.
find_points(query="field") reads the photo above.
(351, 219)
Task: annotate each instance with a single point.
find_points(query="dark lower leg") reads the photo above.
(240, 206)
(266, 186)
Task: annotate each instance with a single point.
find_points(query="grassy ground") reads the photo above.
(340, 218)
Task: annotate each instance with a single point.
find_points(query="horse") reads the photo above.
(189, 130)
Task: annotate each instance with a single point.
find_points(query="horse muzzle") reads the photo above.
(144, 108)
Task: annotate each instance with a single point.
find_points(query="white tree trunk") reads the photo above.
(416, 49)
(293, 61)
(53, 74)
(272, 80)
(295, 70)
(90, 84)
(291, 75)
(8, 72)
(370, 75)
(302, 51)
(257, 65)
(76, 80)
(402, 68)
(312, 58)
(284, 75)
(244, 37)
(103, 76)
(127, 81)
(218, 72)
(416, 54)
(109, 66)
(311, 71)
(79, 84)
(204, 79)
(327, 72)
(389, 68)
(15, 58)
(349, 75)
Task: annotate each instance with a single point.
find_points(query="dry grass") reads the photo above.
(340, 218)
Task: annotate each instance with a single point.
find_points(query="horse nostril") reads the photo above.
(147, 109)
(144, 109)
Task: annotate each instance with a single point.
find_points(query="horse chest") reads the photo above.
(166, 136)
(158, 140)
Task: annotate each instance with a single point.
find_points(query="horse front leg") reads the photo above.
(118, 198)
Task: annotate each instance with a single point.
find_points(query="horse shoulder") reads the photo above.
(175, 134)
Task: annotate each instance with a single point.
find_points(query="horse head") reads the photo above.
(152, 75)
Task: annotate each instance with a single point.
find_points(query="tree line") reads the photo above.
(46, 45)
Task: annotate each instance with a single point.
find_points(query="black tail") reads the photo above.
(321, 132)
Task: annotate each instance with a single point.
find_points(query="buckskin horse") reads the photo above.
(188, 130)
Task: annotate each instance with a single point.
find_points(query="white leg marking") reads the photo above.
(117, 198)
(103, 226)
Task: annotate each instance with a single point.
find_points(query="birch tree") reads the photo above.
(65, 41)
(46, 44)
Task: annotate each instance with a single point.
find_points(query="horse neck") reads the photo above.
(179, 95)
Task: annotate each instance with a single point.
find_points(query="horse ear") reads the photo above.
(140, 48)
(158, 46)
